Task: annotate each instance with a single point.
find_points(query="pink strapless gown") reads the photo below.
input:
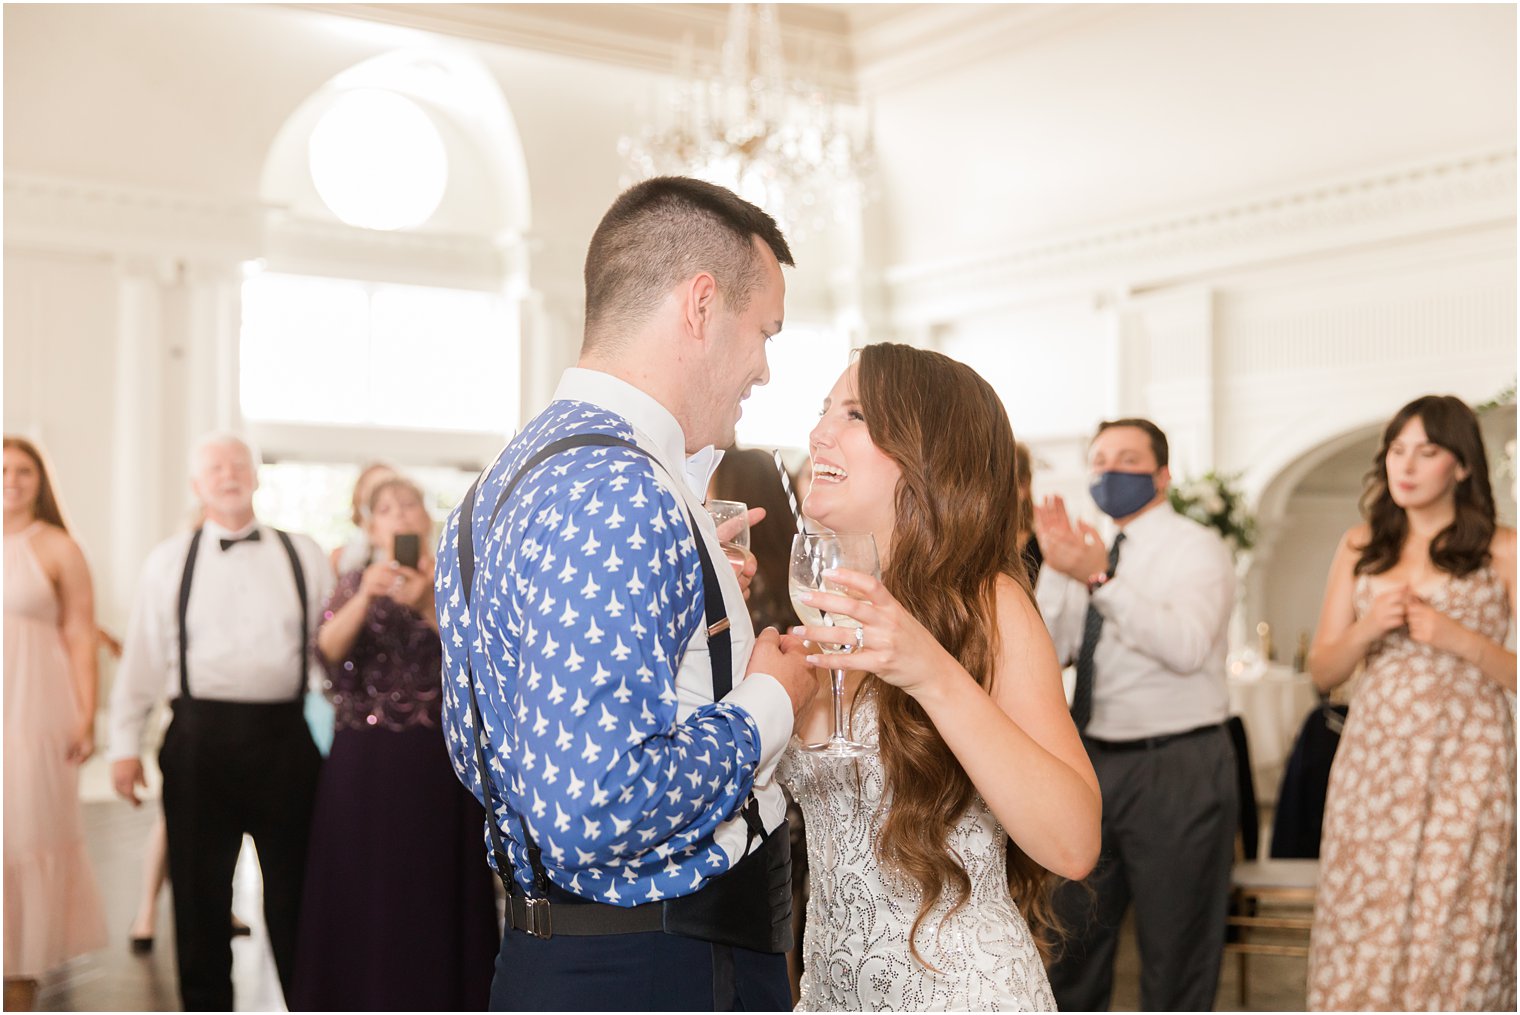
(52, 905)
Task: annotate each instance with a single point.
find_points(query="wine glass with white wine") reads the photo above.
(731, 517)
(813, 554)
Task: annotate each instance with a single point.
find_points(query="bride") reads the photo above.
(918, 898)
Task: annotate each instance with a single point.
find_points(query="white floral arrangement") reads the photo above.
(1213, 500)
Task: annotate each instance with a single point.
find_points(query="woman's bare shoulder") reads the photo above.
(56, 549)
(1502, 546)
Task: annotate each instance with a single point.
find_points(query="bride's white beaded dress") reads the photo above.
(855, 950)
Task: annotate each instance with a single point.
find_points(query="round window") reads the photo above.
(378, 161)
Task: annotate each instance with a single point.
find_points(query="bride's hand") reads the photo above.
(893, 644)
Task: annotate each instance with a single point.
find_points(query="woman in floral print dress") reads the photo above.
(1416, 902)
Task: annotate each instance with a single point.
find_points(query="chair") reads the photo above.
(1271, 901)
(1300, 810)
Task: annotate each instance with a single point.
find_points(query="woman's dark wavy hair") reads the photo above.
(752, 476)
(955, 535)
(1463, 546)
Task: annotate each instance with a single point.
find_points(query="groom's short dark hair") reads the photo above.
(662, 231)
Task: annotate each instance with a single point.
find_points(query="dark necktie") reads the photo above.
(252, 537)
(1092, 629)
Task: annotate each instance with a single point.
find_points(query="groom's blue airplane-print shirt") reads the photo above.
(587, 591)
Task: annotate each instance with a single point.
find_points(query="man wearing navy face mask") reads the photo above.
(1144, 621)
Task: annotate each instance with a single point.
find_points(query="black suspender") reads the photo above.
(184, 607)
(300, 577)
(720, 642)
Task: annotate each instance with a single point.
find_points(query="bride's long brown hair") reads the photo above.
(955, 534)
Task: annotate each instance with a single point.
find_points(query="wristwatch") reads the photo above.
(1097, 581)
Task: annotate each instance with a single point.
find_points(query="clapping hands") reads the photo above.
(1077, 552)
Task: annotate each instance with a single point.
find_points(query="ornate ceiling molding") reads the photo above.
(1440, 195)
(59, 214)
(871, 47)
(644, 36)
(49, 213)
(899, 45)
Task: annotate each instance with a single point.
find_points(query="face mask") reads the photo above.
(1121, 494)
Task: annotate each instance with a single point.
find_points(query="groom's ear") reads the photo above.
(699, 304)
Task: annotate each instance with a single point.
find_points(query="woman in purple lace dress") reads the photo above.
(399, 911)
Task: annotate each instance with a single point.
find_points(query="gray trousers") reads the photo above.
(1169, 820)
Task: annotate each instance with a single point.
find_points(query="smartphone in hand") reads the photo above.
(406, 548)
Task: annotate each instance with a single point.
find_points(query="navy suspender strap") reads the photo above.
(720, 653)
(184, 609)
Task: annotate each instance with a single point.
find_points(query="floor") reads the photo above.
(117, 980)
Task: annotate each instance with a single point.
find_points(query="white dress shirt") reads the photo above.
(761, 695)
(1159, 665)
(246, 640)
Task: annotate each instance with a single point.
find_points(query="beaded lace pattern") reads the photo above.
(856, 955)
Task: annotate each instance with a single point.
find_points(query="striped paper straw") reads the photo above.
(791, 495)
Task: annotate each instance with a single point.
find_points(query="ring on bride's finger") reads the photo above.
(860, 639)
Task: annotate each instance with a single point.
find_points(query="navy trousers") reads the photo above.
(634, 972)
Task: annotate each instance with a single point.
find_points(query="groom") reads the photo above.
(605, 694)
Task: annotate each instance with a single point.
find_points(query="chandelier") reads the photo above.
(771, 136)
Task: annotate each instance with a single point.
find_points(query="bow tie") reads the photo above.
(252, 537)
(699, 469)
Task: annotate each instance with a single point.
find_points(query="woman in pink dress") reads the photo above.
(52, 906)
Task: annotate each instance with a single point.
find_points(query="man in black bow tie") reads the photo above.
(221, 625)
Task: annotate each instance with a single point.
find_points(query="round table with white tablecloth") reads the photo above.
(1273, 702)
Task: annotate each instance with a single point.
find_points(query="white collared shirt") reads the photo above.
(247, 642)
(1159, 667)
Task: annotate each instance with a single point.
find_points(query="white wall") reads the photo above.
(1029, 131)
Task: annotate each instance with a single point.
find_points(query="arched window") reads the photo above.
(383, 322)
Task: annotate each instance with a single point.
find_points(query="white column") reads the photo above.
(140, 482)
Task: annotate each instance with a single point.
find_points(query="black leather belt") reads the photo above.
(544, 918)
(1148, 743)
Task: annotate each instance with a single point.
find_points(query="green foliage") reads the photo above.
(1505, 397)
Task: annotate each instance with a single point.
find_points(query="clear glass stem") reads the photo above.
(838, 680)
